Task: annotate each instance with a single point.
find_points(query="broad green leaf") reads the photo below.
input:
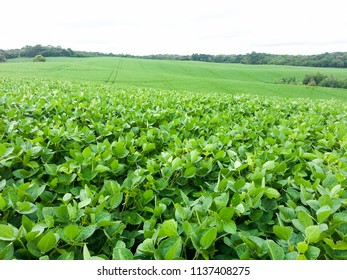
(312, 252)
(122, 254)
(102, 168)
(168, 228)
(47, 242)
(84, 203)
(226, 213)
(283, 232)
(87, 152)
(229, 227)
(170, 248)
(272, 193)
(3, 149)
(275, 251)
(180, 213)
(26, 207)
(8, 232)
(148, 195)
(23, 174)
(189, 172)
(208, 238)
(269, 165)
(51, 169)
(115, 200)
(85, 232)
(313, 234)
(302, 247)
(305, 219)
(120, 150)
(69, 256)
(71, 231)
(146, 247)
(6, 250)
(86, 254)
(323, 213)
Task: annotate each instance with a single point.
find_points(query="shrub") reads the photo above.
(287, 80)
(330, 81)
(39, 58)
(314, 79)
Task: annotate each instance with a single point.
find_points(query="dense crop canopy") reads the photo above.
(90, 171)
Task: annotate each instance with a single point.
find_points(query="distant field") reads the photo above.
(177, 75)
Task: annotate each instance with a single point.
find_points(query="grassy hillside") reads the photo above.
(177, 75)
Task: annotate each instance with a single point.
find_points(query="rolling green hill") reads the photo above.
(177, 75)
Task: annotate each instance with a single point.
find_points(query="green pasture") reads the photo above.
(177, 75)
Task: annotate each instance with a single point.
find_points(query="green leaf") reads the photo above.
(86, 254)
(283, 232)
(230, 227)
(122, 254)
(119, 150)
(269, 165)
(305, 219)
(47, 242)
(148, 195)
(170, 248)
(313, 253)
(68, 256)
(168, 228)
(323, 213)
(8, 232)
(146, 247)
(208, 238)
(25, 207)
(189, 172)
(302, 247)
(275, 251)
(313, 234)
(226, 213)
(85, 232)
(180, 213)
(6, 250)
(71, 231)
(3, 149)
(272, 193)
(51, 169)
(84, 203)
(23, 174)
(115, 200)
(87, 153)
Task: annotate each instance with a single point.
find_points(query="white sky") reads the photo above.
(177, 27)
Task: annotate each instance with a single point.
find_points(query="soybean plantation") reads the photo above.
(92, 171)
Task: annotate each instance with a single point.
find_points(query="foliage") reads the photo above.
(93, 172)
(2, 58)
(287, 80)
(49, 51)
(39, 58)
(323, 80)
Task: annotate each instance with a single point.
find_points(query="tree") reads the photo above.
(2, 58)
(39, 58)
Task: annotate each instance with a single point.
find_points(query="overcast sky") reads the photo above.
(177, 27)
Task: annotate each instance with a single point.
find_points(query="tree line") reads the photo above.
(334, 59)
(47, 51)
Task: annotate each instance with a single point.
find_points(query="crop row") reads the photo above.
(90, 171)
